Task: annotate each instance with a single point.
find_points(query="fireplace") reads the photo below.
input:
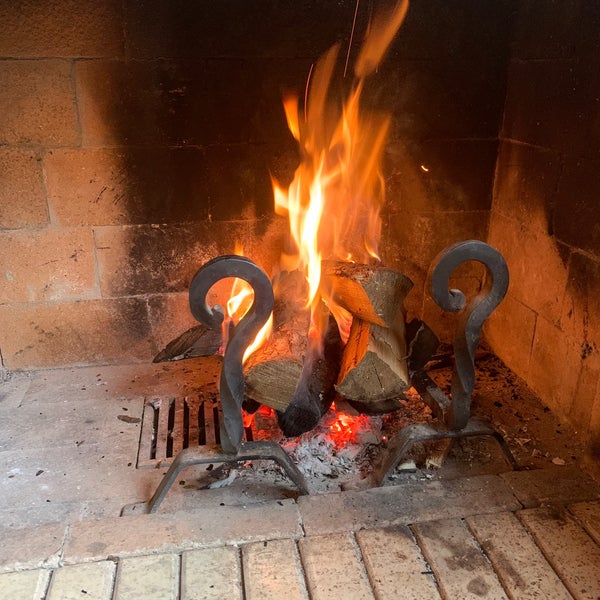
(138, 139)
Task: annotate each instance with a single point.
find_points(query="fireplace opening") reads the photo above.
(139, 143)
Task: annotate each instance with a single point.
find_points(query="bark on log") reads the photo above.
(372, 293)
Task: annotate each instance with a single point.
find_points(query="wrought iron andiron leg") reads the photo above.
(213, 454)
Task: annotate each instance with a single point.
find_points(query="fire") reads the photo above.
(239, 303)
(335, 198)
(334, 201)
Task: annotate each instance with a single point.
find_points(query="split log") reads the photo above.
(273, 371)
(374, 364)
(372, 293)
(195, 342)
(421, 343)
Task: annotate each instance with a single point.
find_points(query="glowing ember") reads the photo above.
(240, 300)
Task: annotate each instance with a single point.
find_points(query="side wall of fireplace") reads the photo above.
(546, 210)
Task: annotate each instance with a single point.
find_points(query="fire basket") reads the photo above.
(453, 412)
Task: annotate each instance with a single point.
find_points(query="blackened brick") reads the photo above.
(576, 220)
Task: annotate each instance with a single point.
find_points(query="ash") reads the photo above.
(342, 449)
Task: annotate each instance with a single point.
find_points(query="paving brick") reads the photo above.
(458, 175)
(22, 196)
(334, 568)
(148, 577)
(449, 85)
(38, 103)
(462, 571)
(211, 574)
(23, 549)
(395, 565)
(47, 264)
(383, 507)
(24, 585)
(558, 485)
(108, 186)
(588, 515)
(272, 570)
(518, 562)
(96, 540)
(61, 28)
(567, 547)
(556, 30)
(161, 258)
(92, 581)
(74, 333)
(525, 184)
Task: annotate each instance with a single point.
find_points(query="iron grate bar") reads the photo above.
(170, 424)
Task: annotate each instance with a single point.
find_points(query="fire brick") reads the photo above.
(510, 329)
(74, 333)
(38, 103)
(22, 197)
(66, 28)
(47, 264)
(538, 274)
(160, 258)
(555, 366)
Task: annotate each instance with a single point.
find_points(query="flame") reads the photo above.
(240, 300)
(335, 198)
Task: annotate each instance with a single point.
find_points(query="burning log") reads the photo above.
(273, 371)
(315, 390)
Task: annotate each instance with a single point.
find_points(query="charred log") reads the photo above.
(315, 390)
(195, 342)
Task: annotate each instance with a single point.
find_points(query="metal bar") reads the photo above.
(214, 454)
(402, 442)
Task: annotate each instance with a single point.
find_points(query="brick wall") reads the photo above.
(137, 137)
(545, 213)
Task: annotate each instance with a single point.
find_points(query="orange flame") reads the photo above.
(335, 198)
(239, 303)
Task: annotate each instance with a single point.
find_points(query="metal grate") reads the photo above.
(171, 424)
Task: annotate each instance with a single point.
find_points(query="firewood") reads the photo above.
(273, 371)
(371, 293)
(197, 341)
(315, 390)
(374, 364)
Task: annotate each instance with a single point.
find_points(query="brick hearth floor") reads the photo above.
(68, 466)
